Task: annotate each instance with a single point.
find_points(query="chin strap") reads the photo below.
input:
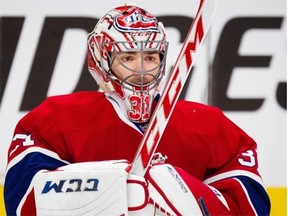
(107, 87)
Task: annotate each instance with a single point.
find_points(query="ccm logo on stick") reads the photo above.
(172, 91)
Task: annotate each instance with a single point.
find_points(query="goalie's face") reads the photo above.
(136, 68)
(126, 56)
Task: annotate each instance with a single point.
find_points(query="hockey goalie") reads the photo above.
(74, 154)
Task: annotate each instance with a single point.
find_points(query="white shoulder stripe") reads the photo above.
(19, 157)
(234, 173)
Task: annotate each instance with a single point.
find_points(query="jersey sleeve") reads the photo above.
(28, 154)
(238, 178)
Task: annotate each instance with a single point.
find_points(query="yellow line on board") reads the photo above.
(278, 196)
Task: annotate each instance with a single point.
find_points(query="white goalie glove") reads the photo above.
(90, 188)
(169, 192)
(107, 188)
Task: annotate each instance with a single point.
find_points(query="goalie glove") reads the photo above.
(91, 188)
(169, 192)
(175, 192)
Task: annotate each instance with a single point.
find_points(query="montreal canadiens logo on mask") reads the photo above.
(135, 21)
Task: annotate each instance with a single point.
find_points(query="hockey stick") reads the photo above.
(177, 79)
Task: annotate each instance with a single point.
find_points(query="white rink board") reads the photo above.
(266, 124)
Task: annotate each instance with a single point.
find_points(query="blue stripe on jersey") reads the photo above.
(258, 195)
(19, 177)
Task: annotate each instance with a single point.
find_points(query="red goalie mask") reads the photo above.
(126, 56)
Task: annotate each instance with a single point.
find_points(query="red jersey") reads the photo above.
(86, 126)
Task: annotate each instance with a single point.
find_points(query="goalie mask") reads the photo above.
(126, 56)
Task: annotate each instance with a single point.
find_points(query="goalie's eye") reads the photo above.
(126, 57)
(152, 57)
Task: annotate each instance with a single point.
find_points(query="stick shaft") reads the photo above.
(171, 93)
